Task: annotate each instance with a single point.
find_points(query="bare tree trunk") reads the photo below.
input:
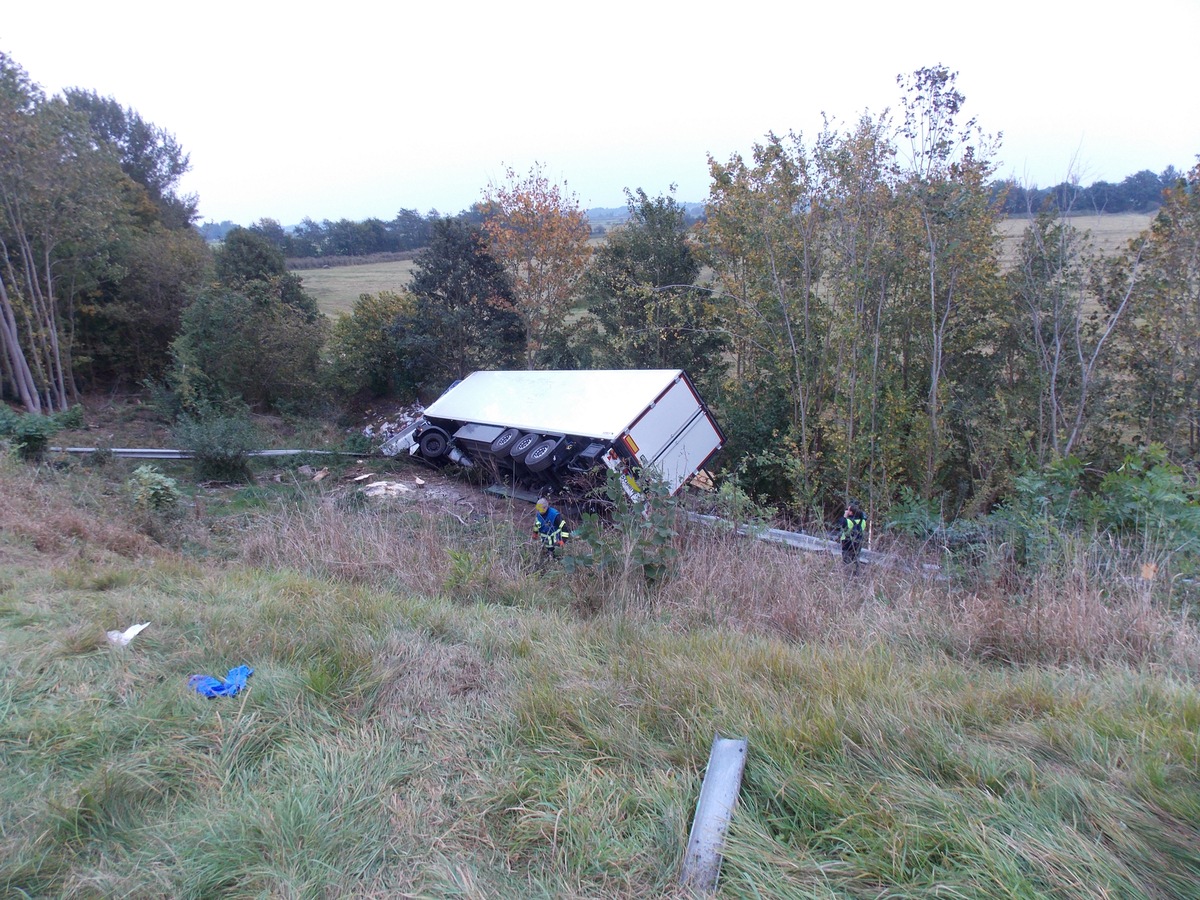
(17, 364)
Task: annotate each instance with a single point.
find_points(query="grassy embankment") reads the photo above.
(428, 718)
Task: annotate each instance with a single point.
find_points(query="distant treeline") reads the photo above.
(1140, 192)
(409, 230)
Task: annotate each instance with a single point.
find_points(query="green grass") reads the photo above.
(428, 719)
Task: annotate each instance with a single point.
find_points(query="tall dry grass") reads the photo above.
(1089, 608)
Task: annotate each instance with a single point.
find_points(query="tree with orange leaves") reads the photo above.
(537, 231)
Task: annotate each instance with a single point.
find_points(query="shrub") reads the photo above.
(31, 435)
(219, 444)
(8, 420)
(152, 492)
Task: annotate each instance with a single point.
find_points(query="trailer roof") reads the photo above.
(591, 403)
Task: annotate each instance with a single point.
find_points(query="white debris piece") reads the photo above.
(121, 638)
(385, 489)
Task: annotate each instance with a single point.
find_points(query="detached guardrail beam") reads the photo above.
(714, 809)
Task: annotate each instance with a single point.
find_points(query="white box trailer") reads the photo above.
(545, 428)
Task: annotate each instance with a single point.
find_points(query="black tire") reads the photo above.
(505, 440)
(523, 445)
(541, 457)
(434, 443)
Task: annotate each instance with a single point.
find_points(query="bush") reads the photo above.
(8, 420)
(247, 344)
(31, 435)
(69, 418)
(152, 492)
(219, 444)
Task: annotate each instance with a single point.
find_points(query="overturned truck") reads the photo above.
(561, 430)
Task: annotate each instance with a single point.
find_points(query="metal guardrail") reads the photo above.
(808, 542)
(155, 453)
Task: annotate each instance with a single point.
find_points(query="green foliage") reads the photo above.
(363, 351)
(247, 255)
(31, 435)
(152, 492)
(638, 540)
(8, 420)
(1150, 498)
(1146, 502)
(249, 344)
(643, 310)
(732, 503)
(915, 516)
(464, 316)
(69, 418)
(219, 445)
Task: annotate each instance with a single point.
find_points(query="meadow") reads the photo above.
(337, 288)
(431, 715)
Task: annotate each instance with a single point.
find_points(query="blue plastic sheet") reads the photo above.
(215, 686)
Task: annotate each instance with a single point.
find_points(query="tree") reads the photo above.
(125, 325)
(249, 261)
(765, 238)
(464, 317)
(950, 235)
(538, 234)
(60, 199)
(645, 312)
(363, 350)
(249, 345)
(1162, 348)
(149, 155)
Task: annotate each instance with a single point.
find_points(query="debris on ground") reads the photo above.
(215, 686)
(122, 638)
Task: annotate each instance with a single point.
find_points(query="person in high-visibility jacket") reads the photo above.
(852, 528)
(549, 526)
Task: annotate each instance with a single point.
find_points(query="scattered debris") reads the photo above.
(385, 489)
(320, 475)
(364, 477)
(122, 638)
(215, 686)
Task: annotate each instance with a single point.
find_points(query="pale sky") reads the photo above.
(355, 110)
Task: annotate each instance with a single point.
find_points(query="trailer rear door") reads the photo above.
(674, 436)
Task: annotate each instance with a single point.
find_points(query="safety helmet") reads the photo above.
(542, 505)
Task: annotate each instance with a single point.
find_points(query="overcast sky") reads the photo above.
(352, 110)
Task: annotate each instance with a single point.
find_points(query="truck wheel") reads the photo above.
(434, 443)
(523, 445)
(542, 456)
(505, 440)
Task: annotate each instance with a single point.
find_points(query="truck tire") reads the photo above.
(541, 457)
(504, 441)
(433, 443)
(523, 445)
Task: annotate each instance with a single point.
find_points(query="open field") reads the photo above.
(1111, 234)
(430, 716)
(337, 288)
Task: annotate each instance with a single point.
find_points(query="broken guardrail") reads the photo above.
(714, 810)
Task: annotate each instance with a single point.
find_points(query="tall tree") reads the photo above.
(59, 202)
(1162, 346)
(950, 234)
(149, 155)
(644, 309)
(538, 233)
(464, 317)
